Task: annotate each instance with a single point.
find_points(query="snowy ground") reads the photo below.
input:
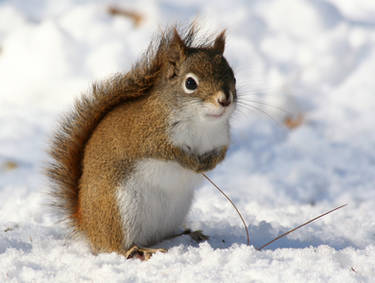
(315, 58)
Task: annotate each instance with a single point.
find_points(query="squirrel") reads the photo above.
(125, 161)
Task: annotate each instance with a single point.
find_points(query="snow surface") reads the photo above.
(290, 56)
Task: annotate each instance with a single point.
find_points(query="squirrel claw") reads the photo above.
(142, 253)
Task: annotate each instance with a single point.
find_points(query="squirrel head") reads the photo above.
(198, 77)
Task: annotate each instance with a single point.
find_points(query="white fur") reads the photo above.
(154, 201)
(197, 132)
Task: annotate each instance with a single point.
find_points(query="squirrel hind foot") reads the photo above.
(198, 236)
(142, 253)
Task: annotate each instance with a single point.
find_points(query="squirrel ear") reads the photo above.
(176, 54)
(219, 43)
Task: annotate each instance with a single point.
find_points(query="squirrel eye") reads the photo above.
(191, 83)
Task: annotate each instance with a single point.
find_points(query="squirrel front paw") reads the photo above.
(198, 163)
(210, 159)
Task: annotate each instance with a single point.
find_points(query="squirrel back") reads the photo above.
(151, 80)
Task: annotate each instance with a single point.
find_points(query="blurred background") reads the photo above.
(303, 136)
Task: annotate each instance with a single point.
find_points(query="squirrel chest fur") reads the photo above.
(126, 160)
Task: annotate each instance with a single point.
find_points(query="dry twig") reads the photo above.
(294, 229)
(9, 165)
(294, 122)
(278, 237)
(242, 219)
(136, 17)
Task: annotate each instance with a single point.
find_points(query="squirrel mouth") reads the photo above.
(216, 115)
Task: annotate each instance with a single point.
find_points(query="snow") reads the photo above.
(291, 57)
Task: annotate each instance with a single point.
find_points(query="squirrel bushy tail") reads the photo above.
(75, 130)
(67, 149)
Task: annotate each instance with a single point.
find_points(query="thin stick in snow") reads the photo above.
(294, 229)
(278, 237)
(221, 191)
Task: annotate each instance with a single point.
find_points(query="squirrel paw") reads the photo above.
(197, 235)
(209, 160)
(142, 253)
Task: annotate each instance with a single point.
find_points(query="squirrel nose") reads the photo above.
(224, 101)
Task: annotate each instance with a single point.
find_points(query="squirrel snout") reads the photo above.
(224, 102)
(224, 99)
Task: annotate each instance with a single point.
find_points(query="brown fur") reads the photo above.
(122, 120)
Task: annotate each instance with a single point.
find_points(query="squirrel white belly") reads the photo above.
(126, 160)
(154, 201)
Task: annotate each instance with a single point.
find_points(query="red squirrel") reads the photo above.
(125, 161)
